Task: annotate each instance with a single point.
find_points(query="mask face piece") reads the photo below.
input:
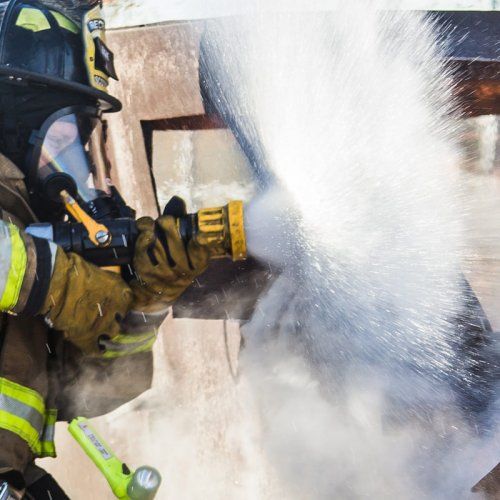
(61, 156)
(68, 153)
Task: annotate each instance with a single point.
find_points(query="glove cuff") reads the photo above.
(138, 332)
(45, 256)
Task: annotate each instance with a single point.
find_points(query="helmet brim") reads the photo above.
(15, 76)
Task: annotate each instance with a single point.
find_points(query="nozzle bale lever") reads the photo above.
(143, 484)
(98, 233)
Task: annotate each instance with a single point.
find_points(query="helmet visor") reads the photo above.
(65, 149)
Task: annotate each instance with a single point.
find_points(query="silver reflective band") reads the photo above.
(5, 255)
(48, 434)
(21, 410)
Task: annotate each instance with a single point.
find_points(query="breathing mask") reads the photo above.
(67, 157)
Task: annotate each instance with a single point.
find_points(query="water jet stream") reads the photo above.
(367, 355)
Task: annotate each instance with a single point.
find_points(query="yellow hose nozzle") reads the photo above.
(220, 229)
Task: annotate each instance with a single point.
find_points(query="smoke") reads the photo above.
(356, 355)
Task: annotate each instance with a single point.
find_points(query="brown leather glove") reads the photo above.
(85, 301)
(165, 266)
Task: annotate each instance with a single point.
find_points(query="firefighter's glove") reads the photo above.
(85, 301)
(164, 264)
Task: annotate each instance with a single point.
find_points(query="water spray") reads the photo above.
(350, 113)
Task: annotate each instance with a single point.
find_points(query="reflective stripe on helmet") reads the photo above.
(33, 20)
(22, 412)
(13, 260)
(65, 23)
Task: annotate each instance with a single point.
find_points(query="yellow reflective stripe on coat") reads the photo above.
(48, 448)
(127, 344)
(16, 269)
(22, 411)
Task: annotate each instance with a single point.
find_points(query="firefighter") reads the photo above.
(66, 325)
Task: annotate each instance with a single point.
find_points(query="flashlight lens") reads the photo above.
(144, 484)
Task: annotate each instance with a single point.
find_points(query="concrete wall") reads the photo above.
(205, 167)
(158, 79)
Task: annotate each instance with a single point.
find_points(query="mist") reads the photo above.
(354, 355)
